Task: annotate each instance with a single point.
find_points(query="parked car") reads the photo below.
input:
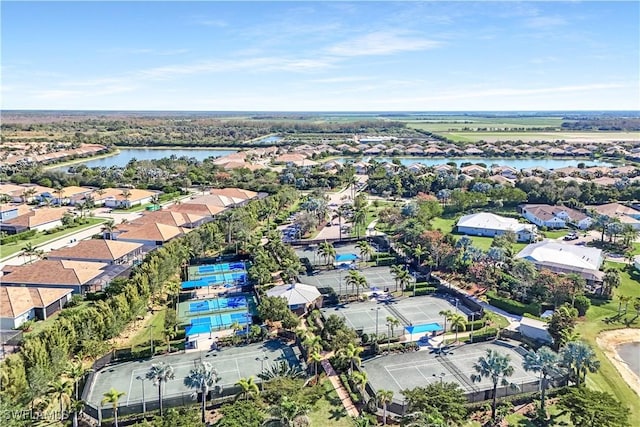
(571, 236)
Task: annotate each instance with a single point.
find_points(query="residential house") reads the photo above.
(123, 198)
(473, 170)
(71, 195)
(196, 207)
(625, 214)
(110, 252)
(565, 258)
(9, 211)
(491, 225)
(40, 219)
(361, 168)
(149, 234)
(18, 304)
(80, 276)
(177, 219)
(555, 216)
(506, 171)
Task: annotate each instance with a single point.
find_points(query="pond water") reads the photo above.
(127, 154)
(520, 163)
(630, 353)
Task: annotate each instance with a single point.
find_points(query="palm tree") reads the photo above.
(316, 358)
(327, 251)
(579, 359)
(544, 361)
(249, 388)
(418, 251)
(497, 367)
(610, 280)
(29, 251)
(356, 280)
(392, 323)
(313, 343)
(76, 406)
(75, 371)
(405, 279)
(359, 217)
(384, 397)
(160, 373)
(396, 272)
(28, 194)
(126, 195)
(288, 411)
(61, 391)
(351, 353)
(112, 397)
(447, 315)
(458, 321)
(366, 250)
(202, 379)
(107, 230)
(360, 379)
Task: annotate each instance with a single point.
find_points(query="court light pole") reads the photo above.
(144, 402)
(377, 310)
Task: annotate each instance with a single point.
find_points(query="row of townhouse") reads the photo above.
(39, 289)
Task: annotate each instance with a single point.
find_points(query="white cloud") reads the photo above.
(382, 43)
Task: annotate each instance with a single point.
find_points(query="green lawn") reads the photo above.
(329, 411)
(555, 234)
(607, 378)
(41, 237)
(446, 225)
(156, 322)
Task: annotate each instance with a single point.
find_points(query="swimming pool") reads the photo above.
(346, 257)
(421, 329)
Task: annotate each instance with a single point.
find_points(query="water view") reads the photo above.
(630, 353)
(521, 163)
(127, 154)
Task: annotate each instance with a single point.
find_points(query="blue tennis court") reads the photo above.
(217, 279)
(218, 304)
(421, 329)
(202, 325)
(225, 266)
(346, 257)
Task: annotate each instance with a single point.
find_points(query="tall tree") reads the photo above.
(497, 368)
(202, 379)
(384, 397)
(591, 408)
(160, 373)
(546, 363)
(62, 390)
(458, 322)
(112, 397)
(248, 388)
(579, 358)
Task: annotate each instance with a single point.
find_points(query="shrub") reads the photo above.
(512, 306)
(477, 325)
(385, 261)
(582, 304)
(485, 335)
(426, 291)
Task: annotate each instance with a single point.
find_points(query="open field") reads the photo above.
(446, 123)
(567, 136)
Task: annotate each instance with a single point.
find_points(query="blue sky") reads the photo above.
(321, 56)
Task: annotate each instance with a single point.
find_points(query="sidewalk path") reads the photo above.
(344, 397)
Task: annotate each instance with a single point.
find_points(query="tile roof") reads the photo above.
(150, 231)
(195, 208)
(96, 249)
(17, 300)
(53, 272)
(116, 193)
(177, 219)
(36, 217)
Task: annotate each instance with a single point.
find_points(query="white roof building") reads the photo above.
(491, 225)
(297, 295)
(565, 258)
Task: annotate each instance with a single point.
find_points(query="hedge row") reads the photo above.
(512, 306)
(385, 261)
(486, 335)
(17, 237)
(426, 291)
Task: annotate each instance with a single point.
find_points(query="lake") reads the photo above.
(630, 353)
(127, 154)
(520, 163)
